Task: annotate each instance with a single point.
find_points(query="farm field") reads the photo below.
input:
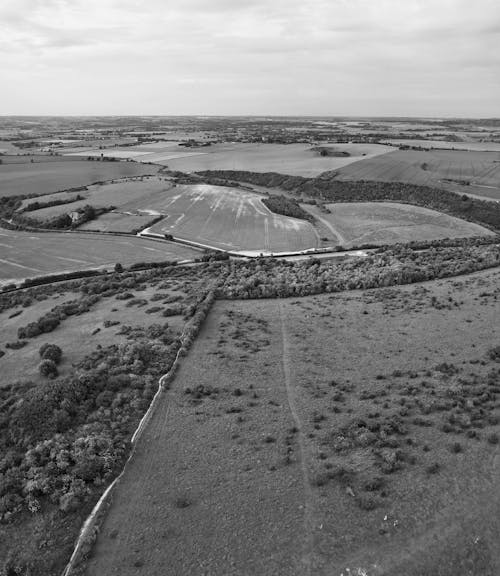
(353, 224)
(362, 439)
(217, 216)
(45, 177)
(26, 254)
(294, 159)
(231, 219)
(437, 168)
(472, 145)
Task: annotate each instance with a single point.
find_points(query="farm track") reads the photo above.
(305, 457)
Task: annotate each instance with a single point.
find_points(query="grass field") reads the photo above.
(46, 176)
(294, 159)
(25, 254)
(438, 168)
(343, 434)
(353, 224)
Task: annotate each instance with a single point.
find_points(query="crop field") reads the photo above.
(353, 224)
(44, 176)
(25, 254)
(438, 168)
(354, 433)
(231, 219)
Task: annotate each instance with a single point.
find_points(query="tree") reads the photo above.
(48, 368)
(118, 267)
(50, 352)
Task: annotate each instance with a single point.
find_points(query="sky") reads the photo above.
(433, 58)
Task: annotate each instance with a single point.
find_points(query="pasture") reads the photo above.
(26, 254)
(358, 436)
(437, 168)
(43, 176)
(353, 224)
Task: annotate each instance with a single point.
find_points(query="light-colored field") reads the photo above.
(388, 223)
(434, 168)
(319, 446)
(25, 254)
(294, 159)
(45, 177)
(469, 145)
(231, 219)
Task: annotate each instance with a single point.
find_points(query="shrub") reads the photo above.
(48, 368)
(50, 352)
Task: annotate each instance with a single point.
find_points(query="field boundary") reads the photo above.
(90, 528)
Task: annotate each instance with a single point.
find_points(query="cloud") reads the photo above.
(251, 56)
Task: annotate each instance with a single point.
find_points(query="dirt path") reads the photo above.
(309, 507)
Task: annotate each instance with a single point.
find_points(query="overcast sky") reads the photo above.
(281, 57)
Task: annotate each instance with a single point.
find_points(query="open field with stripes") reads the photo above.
(450, 169)
(26, 254)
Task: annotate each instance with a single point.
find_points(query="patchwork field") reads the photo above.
(353, 224)
(294, 159)
(439, 168)
(217, 216)
(362, 438)
(25, 254)
(45, 176)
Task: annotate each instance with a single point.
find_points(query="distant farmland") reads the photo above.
(293, 159)
(448, 169)
(45, 176)
(25, 254)
(387, 223)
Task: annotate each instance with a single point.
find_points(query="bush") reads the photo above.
(48, 368)
(50, 352)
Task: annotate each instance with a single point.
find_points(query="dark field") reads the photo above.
(48, 174)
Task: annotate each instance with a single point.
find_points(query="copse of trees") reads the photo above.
(271, 278)
(328, 189)
(280, 204)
